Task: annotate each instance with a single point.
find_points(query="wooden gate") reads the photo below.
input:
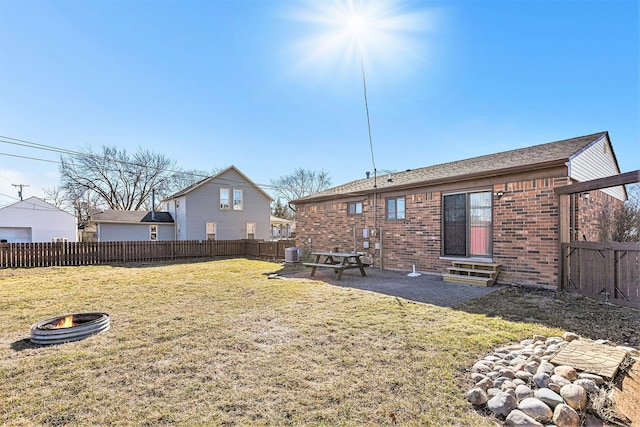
(608, 272)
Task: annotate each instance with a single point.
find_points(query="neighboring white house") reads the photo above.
(282, 228)
(119, 226)
(34, 220)
(225, 206)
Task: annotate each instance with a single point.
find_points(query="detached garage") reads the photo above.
(34, 220)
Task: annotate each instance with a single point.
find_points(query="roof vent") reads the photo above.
(389, 179)
(368, 174)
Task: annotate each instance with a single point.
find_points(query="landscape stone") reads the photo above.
(536, 409)
(545, 367)
(570, 336)
(492, 392)
(548, 396)
(482, 367)
(507, 373)
(518, 418)
(574, 395)
(523, 391)
(565, 416)
(555, 387)
(532, 367)
(560, 380)
(593, 377)
(497, 383)
(519, 383)
(538, 337)
(485, 384)
(502, 404)
(589, 385)
(508, 385)
(477, 396)
(542, 379)
(524, 375)
(566, 371)
(476, 377)
(493, 375)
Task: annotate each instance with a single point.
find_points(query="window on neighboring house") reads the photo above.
(237, 200)
(395, 208)
(153, 232)
(355, 208)
(224, 199)
(251, 230)
(211, 230)
(467, 224)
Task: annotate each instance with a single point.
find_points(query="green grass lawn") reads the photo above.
(217, 343)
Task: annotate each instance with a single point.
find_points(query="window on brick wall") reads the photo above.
(467, 224)
(355, 208)
(395, 208)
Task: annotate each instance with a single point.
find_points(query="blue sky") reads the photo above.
(256, 84)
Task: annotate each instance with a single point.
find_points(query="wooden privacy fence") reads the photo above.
(47, 254)
(606, 271)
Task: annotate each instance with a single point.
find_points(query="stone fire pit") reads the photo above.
(70, 327)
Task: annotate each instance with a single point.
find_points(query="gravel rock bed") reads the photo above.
(519, 386)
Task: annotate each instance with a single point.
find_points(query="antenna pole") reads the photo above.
(366, 106)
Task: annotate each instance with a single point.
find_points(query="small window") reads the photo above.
(153, 232)
(395, 208)
(237, 200)
(355, 208)
(224, 199)
(251, 230)
(211, 230)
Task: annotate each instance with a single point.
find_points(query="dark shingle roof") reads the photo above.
(129, 216)
(529, 158)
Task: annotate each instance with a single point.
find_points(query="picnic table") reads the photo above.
(338, 261)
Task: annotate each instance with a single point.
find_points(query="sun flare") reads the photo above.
(357, 25)
(337, 35)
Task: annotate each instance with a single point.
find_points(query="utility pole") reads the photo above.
(20, 189)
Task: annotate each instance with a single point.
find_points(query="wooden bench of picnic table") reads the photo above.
(338, 261)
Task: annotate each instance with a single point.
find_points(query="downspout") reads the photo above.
(153, 205)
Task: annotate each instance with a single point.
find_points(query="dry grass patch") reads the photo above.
(218, 343)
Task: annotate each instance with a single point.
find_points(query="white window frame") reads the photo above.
(397, 214)
(225, 206)
(211, 230)
(251, 227)
(153, 233)
(238, 206)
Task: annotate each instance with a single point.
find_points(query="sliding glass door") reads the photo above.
(467, 224)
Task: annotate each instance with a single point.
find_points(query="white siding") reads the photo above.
(45, 220)
(596, 161)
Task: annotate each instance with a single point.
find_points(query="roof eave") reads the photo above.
(442, 181)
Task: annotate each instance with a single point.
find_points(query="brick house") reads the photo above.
(499, 208)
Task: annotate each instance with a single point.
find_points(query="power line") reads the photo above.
(34, 145)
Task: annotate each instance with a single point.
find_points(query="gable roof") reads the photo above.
(217, 175)
(130, 217)
(34, 203)
(523, 159)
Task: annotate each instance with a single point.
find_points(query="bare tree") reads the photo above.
(301, 183)
(56, 196)
(119, 181)
(626, 220)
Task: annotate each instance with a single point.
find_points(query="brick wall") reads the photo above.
(595, 214)
(525, 231)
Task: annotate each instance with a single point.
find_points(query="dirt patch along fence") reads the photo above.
(47, 254)
(608, 272)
